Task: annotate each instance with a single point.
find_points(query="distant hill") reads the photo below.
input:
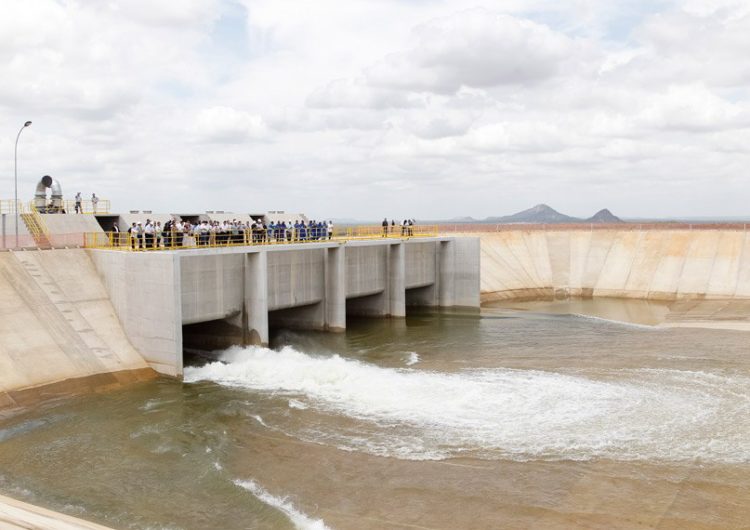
(541, 213)
(544, 214)
(604, 216)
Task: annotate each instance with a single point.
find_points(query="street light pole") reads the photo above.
(15, 171)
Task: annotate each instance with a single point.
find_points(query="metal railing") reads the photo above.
(472, 228)
(174, 240)
(9, 206)
(87, 206)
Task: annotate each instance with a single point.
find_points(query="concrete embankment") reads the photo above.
(648, 264)
(60, 334)
(17, 515)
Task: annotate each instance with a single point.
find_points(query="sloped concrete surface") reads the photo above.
(648, 264)
(56, 322)
(71, 223)
(17, 515)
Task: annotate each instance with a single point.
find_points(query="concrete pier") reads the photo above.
(211, 298)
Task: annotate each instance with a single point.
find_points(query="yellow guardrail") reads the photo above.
(88, 206)
(246, 237)
(10, 206)
(36, 226)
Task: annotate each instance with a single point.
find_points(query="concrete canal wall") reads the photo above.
(648, 264)
(57, 324)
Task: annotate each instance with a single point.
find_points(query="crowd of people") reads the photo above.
(178, 233)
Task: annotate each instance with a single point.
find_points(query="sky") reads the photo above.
(363, 109)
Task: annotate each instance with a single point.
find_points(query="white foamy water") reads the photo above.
(296, 404)
(524, 414)
(299, 519)
(621, 323)
(412, 358)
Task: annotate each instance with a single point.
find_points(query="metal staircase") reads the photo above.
(37, 228)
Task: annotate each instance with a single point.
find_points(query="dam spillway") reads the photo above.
(241, 291)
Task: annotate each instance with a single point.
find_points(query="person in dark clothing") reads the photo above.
(385, 227)
(167, 233)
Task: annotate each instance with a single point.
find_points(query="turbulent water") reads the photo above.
(524, 416)
(502, 413)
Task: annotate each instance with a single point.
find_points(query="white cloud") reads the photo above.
(475, 48)
(228, 125)
(641, 107)
(691, 108)
(356, 93)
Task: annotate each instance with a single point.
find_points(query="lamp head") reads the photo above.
(27, 124)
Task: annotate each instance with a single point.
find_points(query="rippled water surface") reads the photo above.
(452, 420)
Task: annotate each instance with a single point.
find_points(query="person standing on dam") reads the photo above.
(133, 234)
(385, 227)
(94, 201)
(148, 234)
(78, 203)
(158, 234)
(167, 233)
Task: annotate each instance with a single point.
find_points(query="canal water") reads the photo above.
(535, 416)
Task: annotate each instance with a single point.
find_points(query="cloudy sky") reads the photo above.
(371, 108)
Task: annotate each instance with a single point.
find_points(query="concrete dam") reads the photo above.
(76, 313)
(215, 297)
